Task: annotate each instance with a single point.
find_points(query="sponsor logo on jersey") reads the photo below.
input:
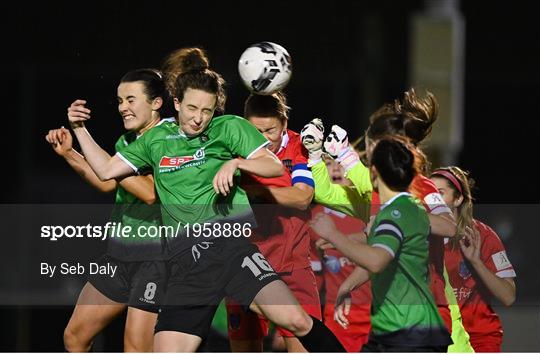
(464, 272)
(501, 260)
(168, 163)
(462, 293)
(396, 214)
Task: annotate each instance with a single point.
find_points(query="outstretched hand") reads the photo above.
(78, 113)
(470, 244)
(342, 307)
(60, 140)
(337, 145)
(324, 225)
(224, 178)
(312, 138)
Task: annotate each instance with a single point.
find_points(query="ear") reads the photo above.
(285, 121)
(157, 103)
(176, 104)
(373, 174)
(458, 201)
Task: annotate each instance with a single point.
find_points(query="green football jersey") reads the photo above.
(141, 243)
(184, 168)
(403, 311)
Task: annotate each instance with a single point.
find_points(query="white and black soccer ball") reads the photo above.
(265, 68)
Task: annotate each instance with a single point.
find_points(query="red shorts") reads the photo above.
(244, 324)
(357, 334)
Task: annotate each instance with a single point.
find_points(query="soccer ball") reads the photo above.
(265, 68)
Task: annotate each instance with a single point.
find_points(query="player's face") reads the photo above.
(336, 172)
(272, 128)
(195, 111)
(445, 190)
(135, 107)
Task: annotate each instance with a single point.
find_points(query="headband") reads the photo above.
(449, 176)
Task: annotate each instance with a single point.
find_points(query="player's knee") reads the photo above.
(298, 323)
(74, 342)
(137, 342)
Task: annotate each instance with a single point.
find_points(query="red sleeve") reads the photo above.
(425, 190)
(300, 152)
(493, 253)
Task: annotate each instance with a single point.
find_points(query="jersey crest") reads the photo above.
(288, 163)
(464, 271)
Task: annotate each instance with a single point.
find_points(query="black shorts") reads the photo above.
(201, 277)
(138, 284)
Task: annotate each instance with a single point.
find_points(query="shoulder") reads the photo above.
(295, 141)
(486, 233)
(423, 186)
(164, 129)
(406, 210)
(229, 120)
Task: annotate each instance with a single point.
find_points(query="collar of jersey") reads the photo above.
(394, 198)
(170, 119)
(284, 141)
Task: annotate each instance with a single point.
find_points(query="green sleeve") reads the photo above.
(337, 197)
(387, 234)
(243, 138)
(120, 144)
(360, 177)
(137, 154)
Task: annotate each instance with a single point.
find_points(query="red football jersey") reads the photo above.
(337, 267)
(479, 319)
(426, 191)
(283, 235)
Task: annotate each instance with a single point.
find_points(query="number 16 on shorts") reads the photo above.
(258, 265)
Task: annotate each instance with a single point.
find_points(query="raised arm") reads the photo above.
(442, 225)
(374, 259)
(298, 196)
(105, 166)
(62, 143)
(261, 163)
(502, 288)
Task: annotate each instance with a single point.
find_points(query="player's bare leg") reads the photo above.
(276, 302)
(293, 345)
(175, 342)
(139, 331)
(93, 312)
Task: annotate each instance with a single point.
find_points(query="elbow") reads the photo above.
(305, 203)
(107, 187)
(150, 199)
(376, 267)
(509, 300)
(103, 177)
(280, 170)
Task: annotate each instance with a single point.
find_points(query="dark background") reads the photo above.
(349, 57)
